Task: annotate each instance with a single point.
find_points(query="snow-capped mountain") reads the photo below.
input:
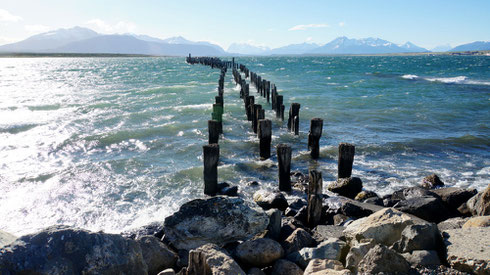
(410, 47)
(294, 48)
(345, 45)
(475, 46)
(247, 49)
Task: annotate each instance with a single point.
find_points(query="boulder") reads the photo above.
(66, 250)
(452, 223)
(479, 204)
(384, 226)
(364, 194)
(259, 252)
(275, 223)
(217, 220)
(431, 182)
(325, 267)
(152, 229)
(382, 259)
(6, 238)
(288, 226)
(332, 249)
(468, 249)
(430, 209)
(156, 254)
(375, 201)
(478, 221)
(347, 187)
(355, 210)
(454, 197)
(231, 191)
(213, 260)
(356, 253)
(418, 237)
(268, 200)
(283, 267)
(411, 193)
(427, 258)
(297, 240)
(324, 232)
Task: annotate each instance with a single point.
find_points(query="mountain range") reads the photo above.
(83, 40)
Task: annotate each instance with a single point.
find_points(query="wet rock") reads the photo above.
(467, 249)
(297, 240)
(153, 229)
(382, 259)
(452, 223)
(355, 210)
(66, 250)
(347, 187)
(479, 221)
(6, 238)
(268, 200)
(356, 253)
(364, 194)
(298, 204)
(332, 249)
(156, 254)
(418, 237)
(431, 182)
(375, 201)
(480, 203)
(324, 232)
(259, 252)
(282, 267)
(253, 183)
(427, 258)
(413, 193)
(216, 261)
(218, 220)
(288, 226)
(430, 209)
(454, 197)
(275, 223)
(325, 267)
(229, 191)
(384, 226)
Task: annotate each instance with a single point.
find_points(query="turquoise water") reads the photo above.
(114, 143)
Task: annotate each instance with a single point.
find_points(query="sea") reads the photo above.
(116, 143)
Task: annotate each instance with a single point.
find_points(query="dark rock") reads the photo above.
(230, 191)
(283, 267)
(454, 197)
(156, 254)
(412, 193)
(347, 187)
(275, 223)
(218, 220)
(255, 271)
(427, 258)
(268, 200)
(382, 259)
(374, 200)
(479, 204)
(259, 252)
(428, 208)
(418, 237)
(324, 232)
(153, 229)
(183, 258)
(298, 204)
(168, 271)
(65, 250)
(222, 185)
(388, 202)
(253, 183)
(355, 210)
(432, 182)
(297, 240)
(288, 226)
(363, 195)
(302, 214)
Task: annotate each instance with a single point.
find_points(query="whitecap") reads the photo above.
(193, 106)
(410, 76)
(448, 80)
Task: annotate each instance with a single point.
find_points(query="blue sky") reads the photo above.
(268, 23)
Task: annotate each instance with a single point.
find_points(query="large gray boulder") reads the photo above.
(298, 239)
(6, 238)
(428, 208)
(427, 258)
(217, 220)
(268, 200)
(283, 267)
(259, 252)
(347, 187)
(468, 249)
(210, 259)
(418, 237)
(65, 250)
(382, 259)
(156, 254)
(333, 249)
(431, 182)
(454, 197)
(479, 204)
(357, 251)
(324, 232)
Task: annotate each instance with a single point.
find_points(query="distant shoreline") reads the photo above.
(27, 55)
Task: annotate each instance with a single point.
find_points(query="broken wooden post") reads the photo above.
(293, 112)
(296, 125)
(314, 208)
(218, 115)
(264, 133)
(214, 128)
(282, 112)
(256, 116)
(278, 105)
(249, 103)
(346, 159)
(284, 163)
(316, 126)
(211, 157)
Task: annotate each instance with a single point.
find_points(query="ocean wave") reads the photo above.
(448, 80)
(14, 129)
(410, 76)
(193, 106)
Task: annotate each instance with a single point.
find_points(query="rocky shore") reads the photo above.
(430, 229)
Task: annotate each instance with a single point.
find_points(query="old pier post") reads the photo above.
(214, 131)
(316, 126)
(293, 123)
(211, 157)
(256, 116)
(314, 208)
(284, 163)
(346, 159)
(279, 101)
(264, 133)
(218, 115)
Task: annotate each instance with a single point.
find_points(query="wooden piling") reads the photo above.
(314, 136)
(264, 133)
(293, 112)
(211, 157)
(278, 105)
(314, 208)
(346, 159)
(296, 125)
(249, 103)
(214, 128)
(284, 163)
(256, 116)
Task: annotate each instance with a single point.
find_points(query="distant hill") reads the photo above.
(247, 49)
(475, 46)
(344, 45)
(442, 48)
(294, 49)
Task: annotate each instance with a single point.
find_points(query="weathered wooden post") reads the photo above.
(264, 133)
(214, 131)
(346, 159)
(316, 126)
(268, 91)
(278, 105)
(282, 111)
(219, 100)
(197, 263)
(249, 103)
(218, 115)
(293, 112)
(314, 208)
(211, 157)
(284, 163)
(296, 125)
(256, 116)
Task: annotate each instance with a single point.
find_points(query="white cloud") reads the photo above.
(104, 27)
(341, 24)
(36, 28)
(309, 26)
(6, 16)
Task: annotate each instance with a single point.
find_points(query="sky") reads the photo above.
(273, 23)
